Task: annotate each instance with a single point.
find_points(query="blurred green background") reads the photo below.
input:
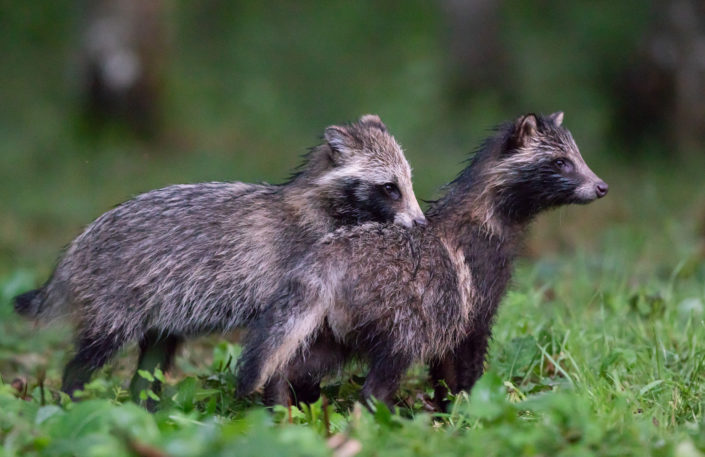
(240, 89)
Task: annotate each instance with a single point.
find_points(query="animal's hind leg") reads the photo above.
(91, 354)
(156, 349)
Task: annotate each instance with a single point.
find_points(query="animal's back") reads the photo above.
(165, 257)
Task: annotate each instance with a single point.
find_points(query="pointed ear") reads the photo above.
(373, 120)
(525, 129)
(557, 118)
(342, 143)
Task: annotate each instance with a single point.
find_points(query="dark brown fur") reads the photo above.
(395, 296)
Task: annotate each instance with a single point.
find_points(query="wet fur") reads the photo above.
(192, 259)
(394, 296)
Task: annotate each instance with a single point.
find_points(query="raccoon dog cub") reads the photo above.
(191, 259)
(394, 296)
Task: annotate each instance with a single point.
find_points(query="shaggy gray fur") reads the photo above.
(196, 258)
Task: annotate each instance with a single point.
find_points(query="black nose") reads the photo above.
(601, 189)
(420, 221)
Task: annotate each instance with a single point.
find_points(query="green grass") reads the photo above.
(599, 349)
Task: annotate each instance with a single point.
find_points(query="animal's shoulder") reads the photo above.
(372, 234)
(377, 245)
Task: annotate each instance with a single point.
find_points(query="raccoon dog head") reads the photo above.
(369, 178)
(541, 167)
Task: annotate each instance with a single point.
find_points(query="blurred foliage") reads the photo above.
(250, 86)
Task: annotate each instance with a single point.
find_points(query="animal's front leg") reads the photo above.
(460, 369)
(470, 358)
(281, 389)
(300, 382)
(278, 333)
(444, 376)
(385, 375)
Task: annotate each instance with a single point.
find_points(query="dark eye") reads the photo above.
(563, 165)
(392, 191)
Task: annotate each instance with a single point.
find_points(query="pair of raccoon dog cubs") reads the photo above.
(339, 262)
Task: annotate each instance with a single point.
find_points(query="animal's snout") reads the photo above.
(420, 221)
(601, 189)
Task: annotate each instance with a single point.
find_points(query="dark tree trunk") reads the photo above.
(661, 94)
(476, 56)
(123, 49)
